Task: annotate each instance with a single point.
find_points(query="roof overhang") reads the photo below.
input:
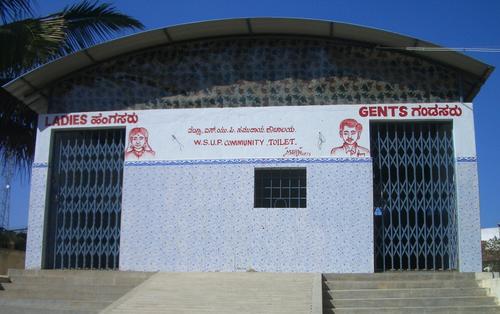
(29, 87)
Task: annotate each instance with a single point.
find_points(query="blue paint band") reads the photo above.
(247, 161)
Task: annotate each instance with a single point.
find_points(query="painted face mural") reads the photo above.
(350, 132)
(138, 141)
(349, 135)
(138, 146)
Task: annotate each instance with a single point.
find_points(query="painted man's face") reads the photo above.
(138, 141)
(349, 135)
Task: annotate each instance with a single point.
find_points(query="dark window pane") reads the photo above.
(280, 188)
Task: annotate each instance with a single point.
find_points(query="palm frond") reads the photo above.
(29, 42)
(17, 131)
(11, 10)
(89, 22)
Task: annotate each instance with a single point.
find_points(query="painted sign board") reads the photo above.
(335, 131)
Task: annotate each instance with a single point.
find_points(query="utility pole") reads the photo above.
(8, 167)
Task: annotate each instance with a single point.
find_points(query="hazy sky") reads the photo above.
(458, 23)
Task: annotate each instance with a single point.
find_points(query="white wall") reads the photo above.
(314, 129)
(190, 207)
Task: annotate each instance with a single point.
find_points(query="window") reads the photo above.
(280, 187)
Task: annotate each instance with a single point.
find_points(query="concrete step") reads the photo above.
(407, 293)
(78, 273)
(403, 293)
(413, 302)
(68, 294)
(64, 292)
(79, 276)
(396, 284)
(404, 276)
(4, 279)
(54, 304)
(487, 309)
(62, 286)
(34, 310)
(77, 280)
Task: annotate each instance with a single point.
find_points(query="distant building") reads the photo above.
(490, 233)
(268, 144)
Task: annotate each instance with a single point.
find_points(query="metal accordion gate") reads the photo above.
(415, 225)
(85, 199)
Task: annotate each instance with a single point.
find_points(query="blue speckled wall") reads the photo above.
(34, 241)
(201, 218)
(469, 239)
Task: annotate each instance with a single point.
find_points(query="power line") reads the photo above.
(445, 49)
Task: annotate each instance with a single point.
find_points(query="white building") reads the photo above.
(271, 144)
(490, 233)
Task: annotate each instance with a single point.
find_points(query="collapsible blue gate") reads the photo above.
(414, 196)
(83, 229)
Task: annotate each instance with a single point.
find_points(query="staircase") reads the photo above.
(408, 293)
(64, 291)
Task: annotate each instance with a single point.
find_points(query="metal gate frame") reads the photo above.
(414, 195)
(83, 202)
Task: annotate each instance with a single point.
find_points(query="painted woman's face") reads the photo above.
(138, 141)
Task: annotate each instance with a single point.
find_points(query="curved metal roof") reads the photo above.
(28, 87)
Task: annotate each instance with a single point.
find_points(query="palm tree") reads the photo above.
(27, 41)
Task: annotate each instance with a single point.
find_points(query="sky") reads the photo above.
(448, 23)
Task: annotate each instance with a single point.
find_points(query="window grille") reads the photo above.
(280, 188)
